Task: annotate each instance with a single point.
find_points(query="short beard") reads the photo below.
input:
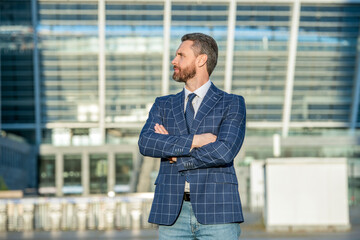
(184, 75)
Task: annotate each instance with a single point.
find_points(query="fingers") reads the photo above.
(209, 138)
(212, 137)
(160, 129)
(157, 128)
(173, 159)
(203, 139)
(163, 129)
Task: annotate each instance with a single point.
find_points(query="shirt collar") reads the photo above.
(201, 91)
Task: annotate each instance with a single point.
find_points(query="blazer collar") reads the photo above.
(211, 98)
(178, 108)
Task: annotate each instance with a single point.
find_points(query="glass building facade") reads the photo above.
(79, 77)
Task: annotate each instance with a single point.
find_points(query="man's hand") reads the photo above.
(198, 140)
(203, 139)
(161, 130)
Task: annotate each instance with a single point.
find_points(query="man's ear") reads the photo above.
(202, 59)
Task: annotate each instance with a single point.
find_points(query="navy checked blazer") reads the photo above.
(213, 184)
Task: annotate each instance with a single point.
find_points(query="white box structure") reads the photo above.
(306, 194)
(257, 195)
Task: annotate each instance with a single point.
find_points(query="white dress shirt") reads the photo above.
(200, 94)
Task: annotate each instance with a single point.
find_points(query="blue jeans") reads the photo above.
(187, 227)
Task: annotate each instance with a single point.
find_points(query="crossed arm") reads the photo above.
(195, 151)
(198, 140)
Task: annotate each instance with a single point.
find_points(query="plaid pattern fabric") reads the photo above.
(214, 188)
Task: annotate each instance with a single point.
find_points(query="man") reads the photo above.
(197, 133)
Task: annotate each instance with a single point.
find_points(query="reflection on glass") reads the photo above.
(72, 174)
(68, 43)
(98, 173)
(134, 47)
(47, 174)
(124, 167)
(16, 63)
(260, 59)
(325, 62)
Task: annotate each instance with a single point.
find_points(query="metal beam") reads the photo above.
(36, 70)
(101, 26)
(85, 173)
(137, 165)
(308, 124)
(59, 174)
(291, 67)
(230, 46)
(18, 126)
(166, 50)
(301, 1)
(213, 1)
(356, 92)
(0, 95)
(111, 178)
(331, 1)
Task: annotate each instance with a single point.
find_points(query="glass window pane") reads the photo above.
(47, 174)
(134, 48)
(124, 167)
(260, 58)
(325, 63)
(72, 174)
(98, 173)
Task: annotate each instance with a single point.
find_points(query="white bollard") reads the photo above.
(135, 216)
(109, 214)
(55, 216)
(3, 217)
(81, 215)
(28, 216)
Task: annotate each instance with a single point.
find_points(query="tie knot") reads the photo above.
(191, 97)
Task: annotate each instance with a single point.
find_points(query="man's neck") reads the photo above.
(195, 83)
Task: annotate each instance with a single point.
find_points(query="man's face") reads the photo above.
(184, 62)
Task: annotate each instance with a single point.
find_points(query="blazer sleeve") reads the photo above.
(159, 145)
(227, 145)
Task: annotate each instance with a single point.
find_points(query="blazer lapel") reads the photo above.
(178, 110)
(211, 98)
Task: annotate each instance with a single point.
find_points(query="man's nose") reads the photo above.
(173, 61)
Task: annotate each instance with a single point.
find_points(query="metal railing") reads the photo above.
(76, 213)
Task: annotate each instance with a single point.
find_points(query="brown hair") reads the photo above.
(204, 44)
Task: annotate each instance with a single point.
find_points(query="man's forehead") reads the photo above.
(185, 46)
